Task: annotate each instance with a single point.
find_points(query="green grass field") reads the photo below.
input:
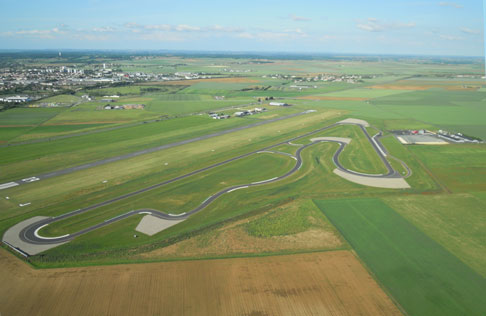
(421, 275)
(455, 221)
(358, 155)
(42, 157)
(459, 168)
(62, 98)
(281, 222)
(184, 195)
(27, 116)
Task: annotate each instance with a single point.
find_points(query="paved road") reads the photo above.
(29, 234)
(56, 173)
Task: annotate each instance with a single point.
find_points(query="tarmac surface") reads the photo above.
(138, 153)
(28, 234)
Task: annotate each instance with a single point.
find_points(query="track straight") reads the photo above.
(29, 234)
(141, 152)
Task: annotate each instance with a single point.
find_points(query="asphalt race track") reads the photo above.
(29, 234)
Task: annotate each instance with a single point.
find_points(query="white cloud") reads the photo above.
(45, 34)
(159, 27)
(179, 32)
(225, 29)
(451, 4)
(246, 35)
(187, 28)
(135, 27)
(375, 25)
(450, 37)
(91, 37)
(270, 35)
(103, 29)
(132, 25)
(162, 37)
(327, 37)
(469, 31)
(298, 18)
(161, 33)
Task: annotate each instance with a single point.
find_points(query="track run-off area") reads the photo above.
(24, 237)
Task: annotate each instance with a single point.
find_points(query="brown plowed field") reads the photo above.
(327, 283)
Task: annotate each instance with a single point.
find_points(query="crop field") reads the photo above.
(457, 168)
(455, 221)
(420, 274)
(312, 243)
(434, 109)
(307, 284)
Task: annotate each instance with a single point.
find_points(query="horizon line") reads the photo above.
(230, 52)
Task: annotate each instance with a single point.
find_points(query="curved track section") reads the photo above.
(30, 232)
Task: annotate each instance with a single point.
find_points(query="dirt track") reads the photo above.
(329, 283)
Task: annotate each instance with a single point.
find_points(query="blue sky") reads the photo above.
(367, 27)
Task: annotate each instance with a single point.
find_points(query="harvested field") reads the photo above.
(319, 98)
(329, 283)
(219, 80)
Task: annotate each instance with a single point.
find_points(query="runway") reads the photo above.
(29, 234)
(61, 172)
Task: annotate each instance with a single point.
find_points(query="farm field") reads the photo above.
(455, 221)
(330, 283)
(457, 168)
(312, 243)
(419, 273)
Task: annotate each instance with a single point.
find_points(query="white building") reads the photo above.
(278, 104)
(16, 99)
